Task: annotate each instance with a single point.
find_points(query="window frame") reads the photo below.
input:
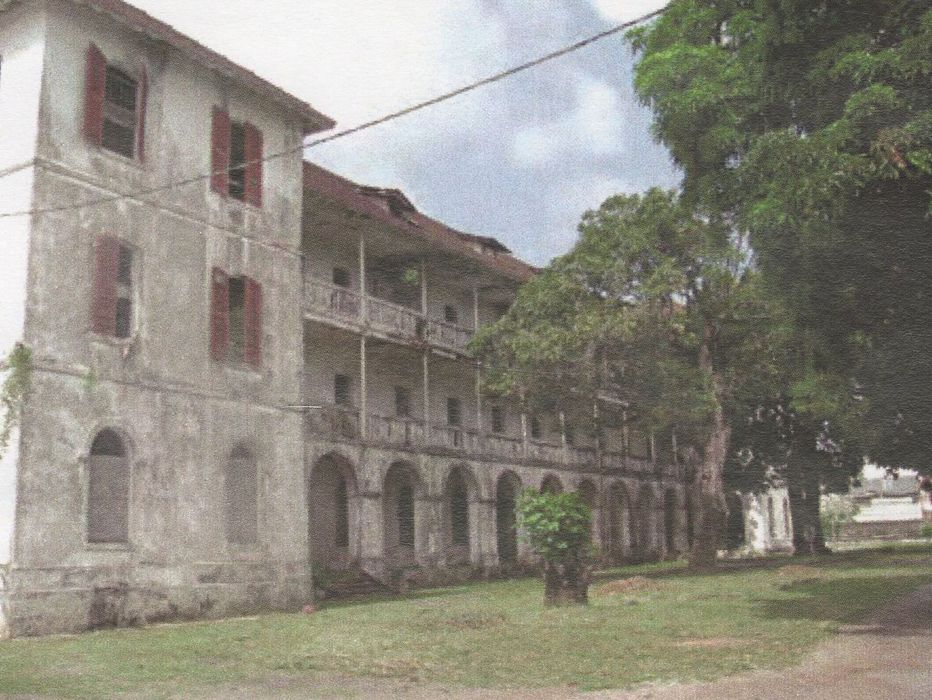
(125, 544)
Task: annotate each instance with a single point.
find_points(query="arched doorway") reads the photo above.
(551, 484)
(459, 497)
(331, 500)
(398, 511)
(646, 547)
(621, 525)
(669, 522)
(507, 490)
(734, 525)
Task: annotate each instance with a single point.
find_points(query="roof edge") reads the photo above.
(144, 23)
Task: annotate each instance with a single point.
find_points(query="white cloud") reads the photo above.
(625, 10)
(593, 127)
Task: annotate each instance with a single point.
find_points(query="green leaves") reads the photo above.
(557, 525)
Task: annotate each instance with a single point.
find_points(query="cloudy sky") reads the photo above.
(520, 160)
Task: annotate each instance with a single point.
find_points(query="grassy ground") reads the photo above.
(673, 626)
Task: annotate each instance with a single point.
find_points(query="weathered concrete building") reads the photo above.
(239, 377)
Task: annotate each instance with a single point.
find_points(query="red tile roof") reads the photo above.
(145, 23)
(371, 201)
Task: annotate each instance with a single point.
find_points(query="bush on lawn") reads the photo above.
(557, 526)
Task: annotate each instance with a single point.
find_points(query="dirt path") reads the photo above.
(889, 657)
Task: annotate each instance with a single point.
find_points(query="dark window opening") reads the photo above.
(450, 314)
(402, 402)
(459, 511)
(341, 534)
(237, 348)
(237, 160)
(535, 428)
(342, 384)
(498, 419)
(454, 413)
(405, 513)
(341, 277)
(569, 434)
(119, 128)
(124, 293)
(108, 490)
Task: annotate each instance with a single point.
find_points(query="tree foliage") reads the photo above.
(809, 125)
(655, 307)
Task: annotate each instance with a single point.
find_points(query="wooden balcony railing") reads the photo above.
(327, 300)
(342, 424)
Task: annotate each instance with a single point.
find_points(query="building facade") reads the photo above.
(242, 379)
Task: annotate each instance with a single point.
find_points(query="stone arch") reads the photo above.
(460, 499)
(401, 491)
(332, 501)
(507, 490)
(621, 523)
(108, 488)
(646, 529)
(551, 484)
(241, 497)
(734, 524)
(670, 513)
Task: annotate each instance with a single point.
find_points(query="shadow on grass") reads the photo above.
(848, 600)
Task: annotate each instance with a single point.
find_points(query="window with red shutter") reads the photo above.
(237, 159)
(114, 106)
(253, 151)
(219, 315)
(220, 151)
(253, 326)
(94, 89)
(236, 319)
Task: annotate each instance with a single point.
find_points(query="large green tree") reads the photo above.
(655, 310)
(808, 124)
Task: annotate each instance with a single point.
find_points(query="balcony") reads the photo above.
(331, 303)
(342, 424)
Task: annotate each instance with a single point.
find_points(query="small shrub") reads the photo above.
(556, 525)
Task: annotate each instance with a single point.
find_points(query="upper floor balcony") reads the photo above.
(344, 424)
(352, 310)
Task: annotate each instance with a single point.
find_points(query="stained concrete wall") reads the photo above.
(179, 412)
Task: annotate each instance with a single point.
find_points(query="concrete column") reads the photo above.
(363, 302)
(423, 288)
(425, 360)
(371, 534)
(363, 389)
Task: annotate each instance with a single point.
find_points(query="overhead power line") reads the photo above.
(351, 130)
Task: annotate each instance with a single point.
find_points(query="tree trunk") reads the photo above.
(566, 583)
(710, 489)
(803, 487)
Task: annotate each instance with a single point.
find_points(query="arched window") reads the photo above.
(240, 497)
(108, 490)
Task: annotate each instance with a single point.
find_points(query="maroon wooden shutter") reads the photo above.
(94, 91)
(141, 121)
(252, 148)
(104, 300)
(220, 151)
(253, 325)
(219, 314)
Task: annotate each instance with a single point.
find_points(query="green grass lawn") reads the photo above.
(679, 626)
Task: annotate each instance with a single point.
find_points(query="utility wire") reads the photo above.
(355, 129)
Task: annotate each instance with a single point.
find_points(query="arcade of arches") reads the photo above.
(406, 515)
